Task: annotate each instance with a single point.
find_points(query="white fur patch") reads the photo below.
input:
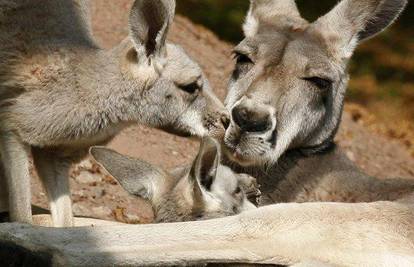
(193, 122)
(285, 138)
(251, 25)
(212, 204)
(144, 73)
(349, 49)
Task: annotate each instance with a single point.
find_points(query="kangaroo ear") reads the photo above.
(137, 177)
(204, 168)
(276, 13)
(204, 171)
(352, 21)
(149, 22)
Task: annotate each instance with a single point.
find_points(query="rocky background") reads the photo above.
(96, 194)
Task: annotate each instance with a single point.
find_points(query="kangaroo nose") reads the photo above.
(225, 120)
(251, 121)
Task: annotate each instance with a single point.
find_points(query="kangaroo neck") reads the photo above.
(119, 97)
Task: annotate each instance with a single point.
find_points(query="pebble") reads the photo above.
(86, 177)
(98, 192)
(85, 164)
(101, 212)
(132, 218)
(80, 210)
(351, 155)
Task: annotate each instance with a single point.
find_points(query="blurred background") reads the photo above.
(381, 91)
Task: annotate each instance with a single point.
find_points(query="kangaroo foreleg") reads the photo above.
(4, 195)
(15, 159)
(54, 174)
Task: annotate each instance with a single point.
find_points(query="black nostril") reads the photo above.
(239, 116)
(251, 121)
(226, 121)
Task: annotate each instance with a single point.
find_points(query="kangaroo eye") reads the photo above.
(238, 190)
(242, 58)
(321, 83)
(190, 88)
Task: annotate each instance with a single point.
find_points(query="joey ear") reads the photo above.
(137, 177)
(277, 13)
(149, 22)
(204, 168)
(352, 21)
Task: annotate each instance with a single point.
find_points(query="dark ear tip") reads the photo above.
(169, 5)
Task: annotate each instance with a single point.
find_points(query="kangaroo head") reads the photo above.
(174, 94)
(287, 90)
(206, 190)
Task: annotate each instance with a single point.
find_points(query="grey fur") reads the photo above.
(323, 177)
(302, 164)
(182, 195)
(60, 93)
(295, 73)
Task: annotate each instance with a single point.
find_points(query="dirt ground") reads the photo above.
(98, 195)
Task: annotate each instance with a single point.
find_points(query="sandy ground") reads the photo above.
(98, 195)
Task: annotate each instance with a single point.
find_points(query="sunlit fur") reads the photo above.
(376, 231)
(285, 52)
(202, 191)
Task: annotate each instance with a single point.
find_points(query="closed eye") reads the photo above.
(321, 83)
(237, 190)
(243, 66)
(242, 58)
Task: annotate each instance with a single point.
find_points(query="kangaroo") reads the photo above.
(60, 93)
(286, 98)
(206, 190)
(294, 75)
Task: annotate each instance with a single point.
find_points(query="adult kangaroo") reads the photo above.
(286, 98)
(60, 93)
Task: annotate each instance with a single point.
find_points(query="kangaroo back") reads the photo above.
(31, 31)
(36, 22)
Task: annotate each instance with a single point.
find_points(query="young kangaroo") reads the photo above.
(205, 190)
(60, 93)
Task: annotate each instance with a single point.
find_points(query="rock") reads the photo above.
(85, 165)
(131, 218)
(85, 177)
(80, 209)
(98, 192)
(101, 212)
(351, 155)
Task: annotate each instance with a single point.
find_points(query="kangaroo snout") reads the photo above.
(251, 119)
(217, 123)
(216, 117)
